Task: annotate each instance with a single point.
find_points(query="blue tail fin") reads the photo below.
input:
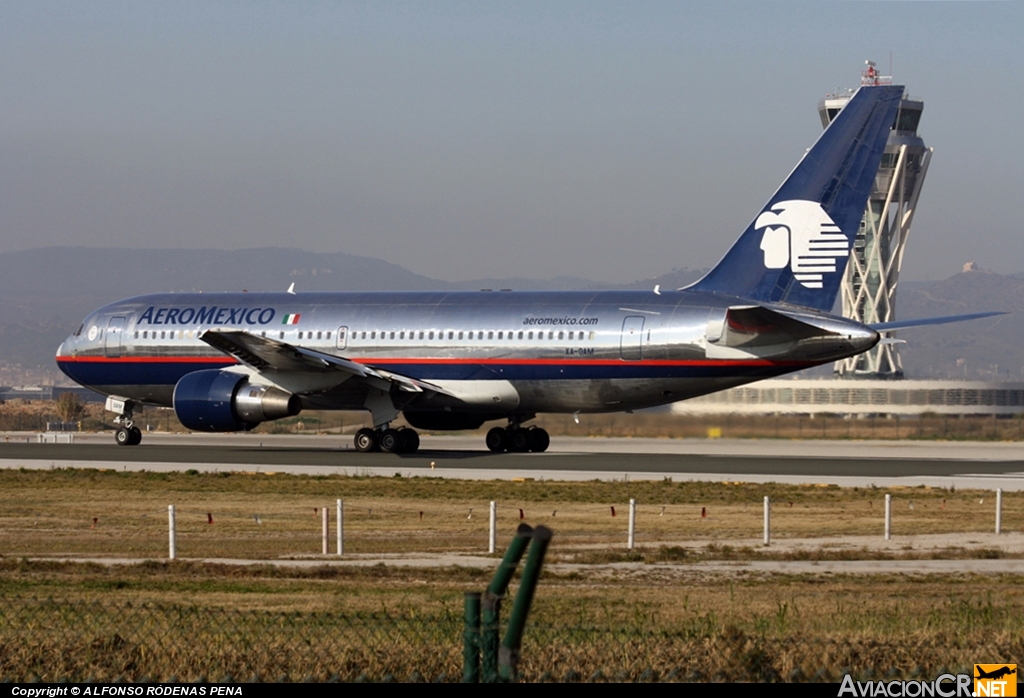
(796, 249)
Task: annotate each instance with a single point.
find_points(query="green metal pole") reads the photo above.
(471, 638)
(492, 602)
(508, 656)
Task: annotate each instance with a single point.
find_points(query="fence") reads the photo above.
(52, 640)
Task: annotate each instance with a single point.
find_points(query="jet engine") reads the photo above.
(223, 401)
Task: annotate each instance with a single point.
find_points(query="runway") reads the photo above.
(978, 465)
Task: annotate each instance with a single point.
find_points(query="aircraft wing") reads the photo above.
(265, 354)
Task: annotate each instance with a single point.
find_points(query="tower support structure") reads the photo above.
(868, 291)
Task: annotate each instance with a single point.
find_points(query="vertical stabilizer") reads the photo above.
(795, 251)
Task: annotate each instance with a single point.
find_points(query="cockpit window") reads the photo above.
(78, 332)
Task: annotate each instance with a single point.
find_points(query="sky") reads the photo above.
(611, 141)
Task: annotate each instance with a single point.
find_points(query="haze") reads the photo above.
(464, 140)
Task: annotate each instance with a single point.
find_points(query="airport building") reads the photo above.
(861, 397)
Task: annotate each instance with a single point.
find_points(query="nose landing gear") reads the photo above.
(127, 433)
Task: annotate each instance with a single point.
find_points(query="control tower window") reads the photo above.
(907, 119)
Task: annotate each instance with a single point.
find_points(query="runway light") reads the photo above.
(613, 512)
(209, 518)
(703, 512)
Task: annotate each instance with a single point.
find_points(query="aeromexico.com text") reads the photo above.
(560, 321)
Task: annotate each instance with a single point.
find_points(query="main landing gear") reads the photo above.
(401, 440)
(517, 439)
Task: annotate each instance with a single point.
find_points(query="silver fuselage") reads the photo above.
(500, 353)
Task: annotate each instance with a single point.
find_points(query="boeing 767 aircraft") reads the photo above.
(455, 360)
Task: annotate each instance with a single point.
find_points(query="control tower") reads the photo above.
(868, 290)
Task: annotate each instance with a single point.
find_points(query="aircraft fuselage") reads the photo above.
(500, 352)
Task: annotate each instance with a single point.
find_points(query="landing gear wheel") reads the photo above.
(539, 439)
(366, 440)
(391, 441)
(519, 441)
(123, 437)
(412, 440)
(498, 440)
(136, 436)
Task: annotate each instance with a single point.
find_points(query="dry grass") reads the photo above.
(315, 624)
(90, 512)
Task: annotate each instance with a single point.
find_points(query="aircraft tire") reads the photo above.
(411, 439)
(539, 440)
(366, 440)
(392, 441)
(136, 435)
(497, 440)
(519, 441)
(123, 437)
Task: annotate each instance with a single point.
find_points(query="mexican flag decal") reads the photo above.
(292, 319)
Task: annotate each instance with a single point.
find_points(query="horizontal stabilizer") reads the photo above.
(901, 324)
(745, 324)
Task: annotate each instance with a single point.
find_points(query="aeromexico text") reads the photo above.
(215, 315)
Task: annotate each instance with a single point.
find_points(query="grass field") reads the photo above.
(662, 617)
(94, 512)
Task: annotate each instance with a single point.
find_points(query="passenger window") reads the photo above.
(501, 335)
(460, 335)
(529, 335)
(560, 335)
(262, 334)
(490, 335)
(136, 334)
(520, 334)
(328, 335)
(163, 334)
(319, 334)
(392, 334)
(592, 335)
(373, 335)
(282, 334)
(451, 335)
(401, 335)
(421, 334)
(431, 335)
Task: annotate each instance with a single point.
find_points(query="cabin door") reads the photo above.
(631, 344)
(112, 338)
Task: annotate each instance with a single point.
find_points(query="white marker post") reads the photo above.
(631, 539)
(325, 532)
(170, 531)
(492, 540)
(767, 521)
(341, 528)
(999, 511)
(888, 517)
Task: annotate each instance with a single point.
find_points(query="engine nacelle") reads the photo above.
(223, 401)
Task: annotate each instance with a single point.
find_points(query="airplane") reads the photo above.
(455, 360)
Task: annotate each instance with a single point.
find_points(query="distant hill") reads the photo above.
(45, 293)
(972, 349)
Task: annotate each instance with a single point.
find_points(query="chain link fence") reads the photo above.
(50, 640)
